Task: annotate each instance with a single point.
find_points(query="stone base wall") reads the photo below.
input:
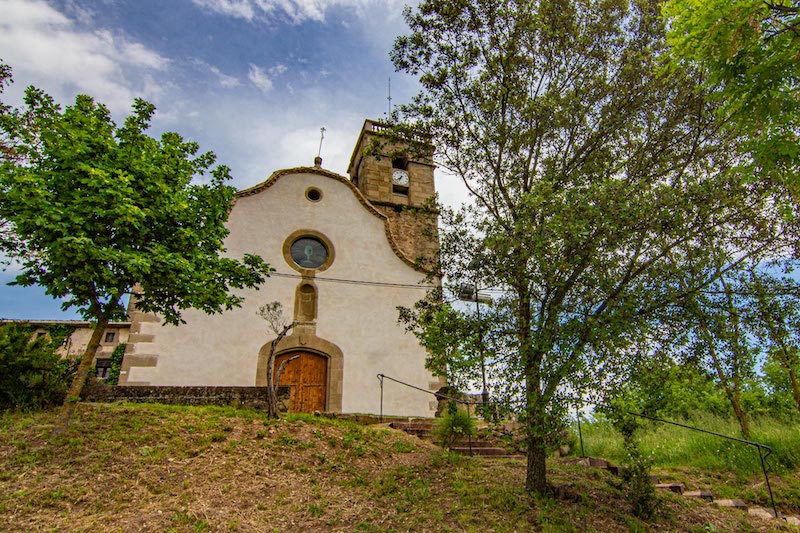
(255, 397)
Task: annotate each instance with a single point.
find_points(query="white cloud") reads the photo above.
(264, 80)
(233, 8)
(295, 10)
(277, 70)
(260, 78)
(224, 80)
(42, 44)
(81, 13)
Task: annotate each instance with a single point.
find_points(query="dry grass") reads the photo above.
(164, 468)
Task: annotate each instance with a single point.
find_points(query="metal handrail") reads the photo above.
(758, 445)
(468, 403)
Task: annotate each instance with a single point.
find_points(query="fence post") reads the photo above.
(469, 415)
(380, 378)
(580, 434)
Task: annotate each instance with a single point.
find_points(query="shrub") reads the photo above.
(454, 425)
(32, 374)
(116, 364)
(636, 483)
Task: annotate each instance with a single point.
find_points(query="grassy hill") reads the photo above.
(126, 467)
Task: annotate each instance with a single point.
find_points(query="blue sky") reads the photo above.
(251, 80)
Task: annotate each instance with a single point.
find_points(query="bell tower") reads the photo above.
(400, 185)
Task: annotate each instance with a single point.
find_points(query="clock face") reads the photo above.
(400, 177)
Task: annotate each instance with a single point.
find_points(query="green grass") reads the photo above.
(206, 469)
(671, 446)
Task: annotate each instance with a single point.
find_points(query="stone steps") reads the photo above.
(423, 429)
(485, 451)
(680, 488)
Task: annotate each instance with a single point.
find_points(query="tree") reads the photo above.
(99, 209)
(775, 319)
(594, 177)
(716, 317)
(747, 50)
(273, 314)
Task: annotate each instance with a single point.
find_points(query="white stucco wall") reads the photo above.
(360, 319)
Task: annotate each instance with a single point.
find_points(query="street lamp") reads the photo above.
(470, 293)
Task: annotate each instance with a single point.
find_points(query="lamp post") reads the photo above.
(469, 293)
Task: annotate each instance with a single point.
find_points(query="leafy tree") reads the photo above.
(747, 50)
(721, 337)
(99, 208)
(775, 319)
(32, 373)
(673, 383)
(594, 177)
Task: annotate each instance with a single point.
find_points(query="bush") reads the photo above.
(32, 374)
(636, 483)
(453, 426)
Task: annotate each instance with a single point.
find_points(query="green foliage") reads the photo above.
(453, 426)
(116, 364)
(98, 211)
(597, 180)
(662, 387)
(635, 477)
(32, 374)
(100, 208)
(747, 50)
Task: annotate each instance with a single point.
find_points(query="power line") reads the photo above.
(359, 282)
(378, 283)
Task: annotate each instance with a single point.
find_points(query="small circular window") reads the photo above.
(313, 194)
(308, 252)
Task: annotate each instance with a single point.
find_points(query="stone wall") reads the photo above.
(255, 397)
(414, 231)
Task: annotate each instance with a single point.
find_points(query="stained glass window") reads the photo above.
(308, 252)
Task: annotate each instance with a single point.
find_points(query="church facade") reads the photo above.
(346, 252)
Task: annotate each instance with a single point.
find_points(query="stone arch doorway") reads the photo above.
(302, 340)
(307, 379)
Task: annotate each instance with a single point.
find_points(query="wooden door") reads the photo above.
(307, 378)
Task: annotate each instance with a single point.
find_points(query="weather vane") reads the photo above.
(321, 137)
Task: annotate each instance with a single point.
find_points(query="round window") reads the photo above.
(313, 194)
(308, 252)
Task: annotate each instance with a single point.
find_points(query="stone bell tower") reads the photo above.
(400, 185)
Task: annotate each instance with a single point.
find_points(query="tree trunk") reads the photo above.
(785, 363)
(535, 421)
(272, 380)
(795, 387)
(536, 473)
(75, 389)
(744, 423)
(272, 404)
(731, 390)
